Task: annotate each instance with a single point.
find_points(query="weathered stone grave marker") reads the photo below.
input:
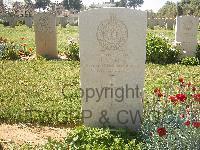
(186, 34)
(112, 55)
(28, 21)
(45, 35)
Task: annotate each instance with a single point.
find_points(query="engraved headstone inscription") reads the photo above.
(45, 35)
(112, 57)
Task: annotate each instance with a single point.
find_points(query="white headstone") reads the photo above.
(170, 23)
(186, 34)
(45, 35)
(63, 21)
(12, 21)
(28, 22)
(112, 55)
(161, 22)
(151, 23)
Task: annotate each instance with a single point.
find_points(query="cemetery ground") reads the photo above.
(46, 93)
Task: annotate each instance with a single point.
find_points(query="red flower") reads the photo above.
(158, 92)
(182, 116)
(196, 124)
(173, 99)
(30, 49)
(181, 97)
(193, 88)
(181, 79)
(187, 123)
(189, 84)
(161, 131)
(196, 97)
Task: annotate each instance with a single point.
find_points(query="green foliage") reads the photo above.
(73, 51)
(40, 91)
(98, 139)
(121, 3)
(129, 3)
(168, 10)
(42, 4)
(72, 4)
(134, 3)
(198, 52)
(184, 7)
(192, 61)
(159, 50)
(13, 51)
(170, 106)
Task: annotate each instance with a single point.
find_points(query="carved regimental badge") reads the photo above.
(112, 34)
(44, 24)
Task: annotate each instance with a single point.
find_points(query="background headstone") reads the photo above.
(161, 22)
(28, 22)
(170, 23)
(63, 21)
(112, 56)
(73, 20)
(151, 22)
(12, 20)
(45, 35)
(57, 21)
(186, 33)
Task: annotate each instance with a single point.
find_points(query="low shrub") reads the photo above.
(72, 51)
(97, 139)
(159, 51)
(198, 52)
(172, 117)
(192, 61)
(13, 51)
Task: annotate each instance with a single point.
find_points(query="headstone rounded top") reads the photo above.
(44, 22)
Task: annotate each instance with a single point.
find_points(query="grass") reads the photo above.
(31, 91)
(15, 34)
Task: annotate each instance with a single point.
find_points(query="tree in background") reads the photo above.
(135, 3)
(72, 4)
(28, 2)
(184, 7)
(121, 3)
(129, 3)
(169, 10)
(42, 3)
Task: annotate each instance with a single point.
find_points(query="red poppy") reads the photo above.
(161, 131)
(182, 116)
(158, 92)
(173, 99)
(181, 97)
(196, 97)
(30, 49)
(187, 123)
(189, 84)
(196, 124)
(181, 79)
(193, 88)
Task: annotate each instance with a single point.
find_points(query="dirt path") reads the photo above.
(20, 134)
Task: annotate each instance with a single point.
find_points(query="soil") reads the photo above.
(34, 135)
